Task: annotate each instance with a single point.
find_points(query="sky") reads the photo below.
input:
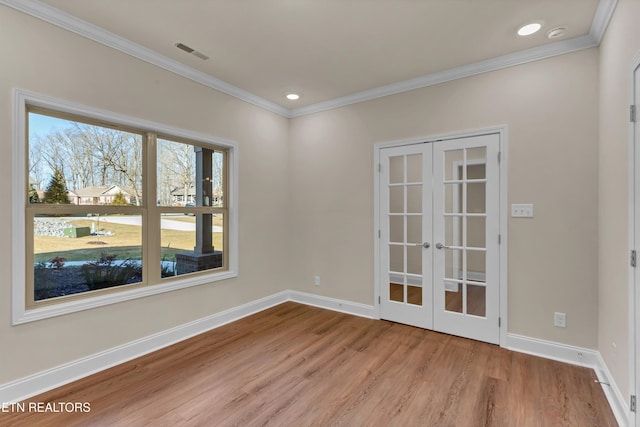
(42, 125)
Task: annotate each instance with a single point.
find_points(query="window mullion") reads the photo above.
(151, 221)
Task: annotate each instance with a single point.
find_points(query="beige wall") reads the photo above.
(551, 109)
(45, 59)
(306, 187)
(618, 49)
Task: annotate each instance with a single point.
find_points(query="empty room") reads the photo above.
(311, 213)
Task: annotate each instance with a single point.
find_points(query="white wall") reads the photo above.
(41, 58)
(551, 109)
(617, 51)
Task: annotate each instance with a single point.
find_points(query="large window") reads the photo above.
(115, 208)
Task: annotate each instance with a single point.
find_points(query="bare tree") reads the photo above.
(115, 156)
(178, 162)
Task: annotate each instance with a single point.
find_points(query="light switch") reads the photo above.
(522, 210)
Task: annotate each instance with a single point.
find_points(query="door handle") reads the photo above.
(425, 245)
(441, 246)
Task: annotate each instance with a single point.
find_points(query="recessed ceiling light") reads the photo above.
(293, 96)
(527, 30)
(557, 32)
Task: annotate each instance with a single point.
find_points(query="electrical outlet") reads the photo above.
(522, 211)
(316, 280)
(560, 320)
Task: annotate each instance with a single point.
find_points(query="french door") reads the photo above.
(439, 231)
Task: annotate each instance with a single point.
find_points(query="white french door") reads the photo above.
(439, 231)
(407, 291)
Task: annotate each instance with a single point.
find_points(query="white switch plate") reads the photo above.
(522, 210)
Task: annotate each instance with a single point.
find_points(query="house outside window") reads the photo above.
(91, 230)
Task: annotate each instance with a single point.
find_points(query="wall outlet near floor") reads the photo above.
(560, 320)
(316, 280)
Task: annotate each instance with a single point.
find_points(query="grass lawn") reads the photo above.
(126, 242)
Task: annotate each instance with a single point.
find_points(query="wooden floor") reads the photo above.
(295, 365)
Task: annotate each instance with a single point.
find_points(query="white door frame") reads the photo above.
(634, 244)
(503, 212)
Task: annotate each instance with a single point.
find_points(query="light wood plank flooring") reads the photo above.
(294, 365)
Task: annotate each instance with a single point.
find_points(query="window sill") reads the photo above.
(39, 313)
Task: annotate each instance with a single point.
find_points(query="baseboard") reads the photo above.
(575, 356)
(41, 382)
(334, 304)
(553, 350)
(616, 400)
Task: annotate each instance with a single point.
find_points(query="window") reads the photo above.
(114, 208)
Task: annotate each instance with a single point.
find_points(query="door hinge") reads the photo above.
(379, 234)
(499, 156)
(379, 167)
(499, 322)
(379, 301)
(499, 238)
(632, 403)
(633, 258)
(632, 113)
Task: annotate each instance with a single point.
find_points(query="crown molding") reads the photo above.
(493, 64)
(71, 23)
(83, 28)
(601, 19)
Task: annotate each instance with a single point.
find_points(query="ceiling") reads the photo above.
(332, 49)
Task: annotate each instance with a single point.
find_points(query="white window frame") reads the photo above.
(20, 313)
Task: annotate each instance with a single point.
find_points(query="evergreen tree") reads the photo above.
(119, 200)
(33, 195)
(56, 192)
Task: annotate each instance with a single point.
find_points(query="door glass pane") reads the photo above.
(396, 199)
(396, 292)
(476, 265)
(476, 171)
(414, 199)
(476, 197)
(396, 258)
(453, 198)
(414, 259)
(476, 231)
(414, 295)
(453, 264)
(452, 162)
(396, 228)
(414, 229)
(396, 170)
(453, 230)
(453, 296)
(476, 300)
(414, 168)
(476, 157)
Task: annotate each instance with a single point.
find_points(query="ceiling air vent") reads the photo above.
(192, 51)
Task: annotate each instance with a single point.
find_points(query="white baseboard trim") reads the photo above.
(575, 356)
(334, 304)
(618, 403)
(553, 350)
(41, 382)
